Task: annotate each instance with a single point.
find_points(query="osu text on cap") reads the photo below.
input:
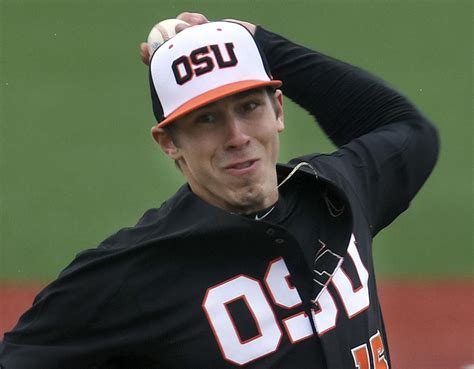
(202, 60)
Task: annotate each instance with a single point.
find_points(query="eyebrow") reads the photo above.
(246, 93)
(237, 96)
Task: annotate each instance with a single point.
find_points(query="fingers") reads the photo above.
(251, 27)
(192, 18)
(144, 53)
(180, 27)
(197, 18)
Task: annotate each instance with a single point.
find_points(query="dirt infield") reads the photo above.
(430, 325)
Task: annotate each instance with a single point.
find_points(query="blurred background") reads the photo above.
(77, 161)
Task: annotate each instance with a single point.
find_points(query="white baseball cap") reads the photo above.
(202, 64)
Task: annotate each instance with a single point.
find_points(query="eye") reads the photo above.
(250, 106)
(206, 118)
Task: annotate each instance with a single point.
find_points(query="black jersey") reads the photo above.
(193, 286)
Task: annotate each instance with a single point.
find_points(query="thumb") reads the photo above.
(144, 53)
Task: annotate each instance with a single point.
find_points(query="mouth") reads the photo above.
(242, 167)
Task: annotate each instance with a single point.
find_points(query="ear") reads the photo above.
(279, 110)
(166, 142)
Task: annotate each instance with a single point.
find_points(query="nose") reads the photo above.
(237, 136)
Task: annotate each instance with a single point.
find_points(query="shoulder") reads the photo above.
(153, 225)
(335, 175)
(329, 167)
(112, 260)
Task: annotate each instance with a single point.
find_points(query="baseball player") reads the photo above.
(251, 263)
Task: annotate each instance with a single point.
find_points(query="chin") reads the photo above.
(250, 199)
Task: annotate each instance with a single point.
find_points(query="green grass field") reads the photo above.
(77, 161)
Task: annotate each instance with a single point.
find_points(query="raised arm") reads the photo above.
(388, 147)
(347, 101)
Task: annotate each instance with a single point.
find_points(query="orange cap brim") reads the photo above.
(214, 95)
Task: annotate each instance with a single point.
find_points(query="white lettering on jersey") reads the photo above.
(325, 317)
(355, 300)
(232, 347)
(284, 295)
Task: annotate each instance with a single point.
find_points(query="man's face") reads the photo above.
(228, 150)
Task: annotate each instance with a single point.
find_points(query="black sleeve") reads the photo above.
(388, 147)
(76, 322)
(347, 101)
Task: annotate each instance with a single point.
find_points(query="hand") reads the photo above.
(192, 19)
(197, 18)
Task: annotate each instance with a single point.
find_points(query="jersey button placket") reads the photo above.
(270, 232)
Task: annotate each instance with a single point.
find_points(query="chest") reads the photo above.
(249, 303)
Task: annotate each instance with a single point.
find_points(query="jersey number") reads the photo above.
(361, 354)
(281, 293)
